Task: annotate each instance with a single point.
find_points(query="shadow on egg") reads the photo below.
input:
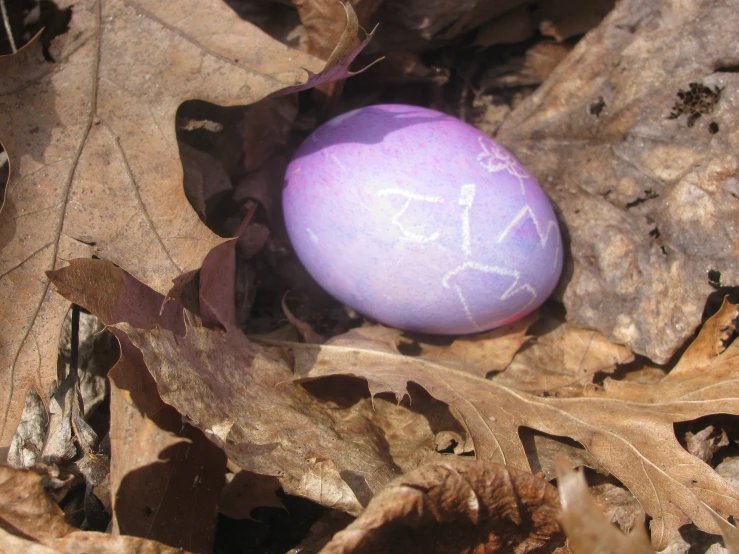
(368, 126)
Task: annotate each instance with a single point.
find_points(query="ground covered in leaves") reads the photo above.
(172, 379)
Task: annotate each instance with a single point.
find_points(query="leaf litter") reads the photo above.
(297, 416)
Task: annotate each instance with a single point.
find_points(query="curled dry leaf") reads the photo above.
(647, 194)
(322, 20)
(165, 476)
(31, 522)
(337, 65)
(456, 506)
(94, 162)
(627, 429)
(588, 530)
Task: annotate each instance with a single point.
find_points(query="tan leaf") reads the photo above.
(337, 64)
(564, 355)
(456, 506)
(588, 530)
(94, 162)
(163, 473)
(242, 397)
(483, 353)
(627, 429)
(32, 522)
(322, 20)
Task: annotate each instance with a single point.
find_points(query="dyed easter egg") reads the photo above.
(420, 221)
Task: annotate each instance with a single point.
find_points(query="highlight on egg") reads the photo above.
(420, 221)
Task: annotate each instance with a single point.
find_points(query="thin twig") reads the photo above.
(8, 30)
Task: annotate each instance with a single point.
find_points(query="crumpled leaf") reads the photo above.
(94, 162)
(163, 473)
(648, 198)
(455, 506)
(31, 522)
(627, 428)
(322, 20)
(588, 530)
(241, 396)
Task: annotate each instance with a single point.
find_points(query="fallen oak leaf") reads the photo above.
(629, 433)
(329, 444)
(242, 397)
(456, 505)
(485, 352)
(31, 522)
(94, 162)
(561, 357)
(319, 18)
(165, 475)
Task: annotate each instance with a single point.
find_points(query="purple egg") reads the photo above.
(420, 221)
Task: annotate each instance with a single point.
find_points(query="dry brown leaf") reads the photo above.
(627, 429)
(31, 522)
(163, 473)
(730, 534)
(336, 445)
(337, 65)
(242, 397)
(456, 506)
(563, 356)
(648, 196)
(94, 162)
(588, 530)
(323, 19)
(483, 353)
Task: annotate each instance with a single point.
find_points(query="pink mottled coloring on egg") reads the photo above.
(420, 221)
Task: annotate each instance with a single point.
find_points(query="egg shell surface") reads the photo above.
(420, 221)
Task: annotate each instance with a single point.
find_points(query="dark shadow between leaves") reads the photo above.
(163, 501)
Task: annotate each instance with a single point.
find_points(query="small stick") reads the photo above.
(8, 30)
